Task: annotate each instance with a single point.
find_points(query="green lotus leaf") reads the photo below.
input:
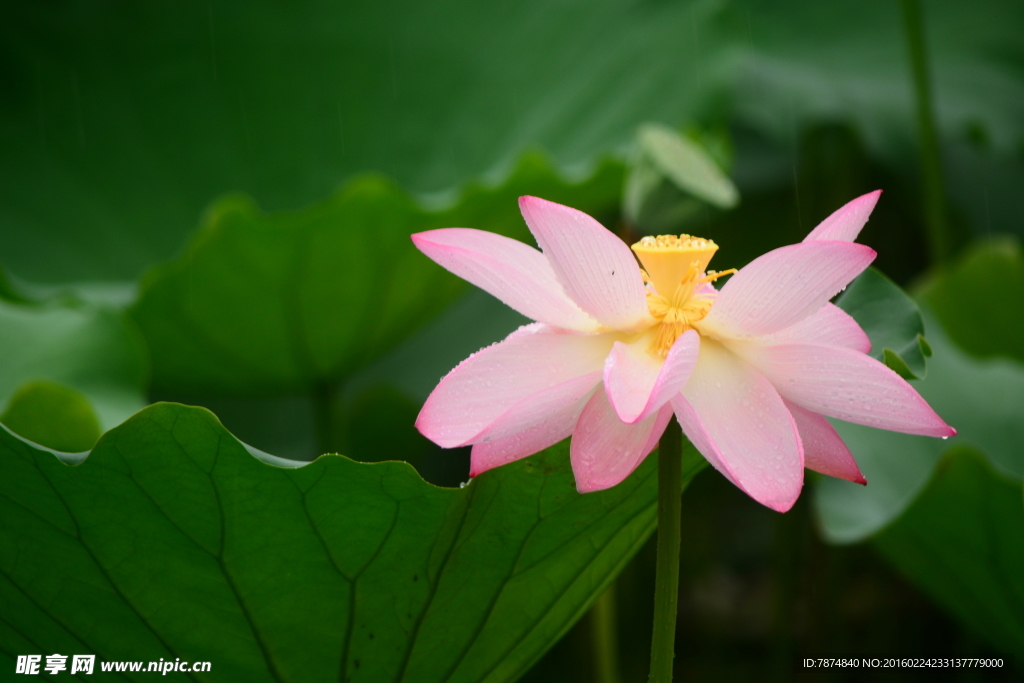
(986, 284)
(962, 541)
(119, 127)
(891, 320)
(52, 415)
(91, 350)
(289, 302)
(190, 547)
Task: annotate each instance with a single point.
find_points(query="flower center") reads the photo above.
(678, 295)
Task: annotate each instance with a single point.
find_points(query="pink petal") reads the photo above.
(494, 380)
(596, 268)
(829, 326)
(605, 450)
(638, 383)
(846, 385)
(737, 420)
(555, 426)
(846, 222)
(517, 274)
(784, 286)
(824, 450)
(536, 408)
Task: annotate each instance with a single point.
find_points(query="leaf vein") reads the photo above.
(355, 593)
(102, 569)
(45, 611)
(490, 607)
(641, 539)
(271, 665)
(400, 675)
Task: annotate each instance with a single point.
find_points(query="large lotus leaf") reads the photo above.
(986, 285)
(172, 540)
(90, 349)
(119, 125)
(962, 541)
(289, 301)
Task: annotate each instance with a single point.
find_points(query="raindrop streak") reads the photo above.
(341, 129)
(988, 227)
(78, 108)
(42, 114)
(245, 122)
(394, 76)
(213, 47)
(796, 153)
(696, 47)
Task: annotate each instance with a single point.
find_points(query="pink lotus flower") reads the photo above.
(749, 371)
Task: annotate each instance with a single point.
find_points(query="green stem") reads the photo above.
(666, 582)
(604, 637)
(940, 240)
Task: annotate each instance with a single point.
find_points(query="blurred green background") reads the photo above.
(210, 203)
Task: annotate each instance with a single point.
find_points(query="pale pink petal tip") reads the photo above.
(515, 273)
(846, 222)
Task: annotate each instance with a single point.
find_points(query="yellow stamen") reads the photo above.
(675, 266)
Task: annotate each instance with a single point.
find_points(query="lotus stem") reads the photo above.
(666, 583)
(605, 638)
